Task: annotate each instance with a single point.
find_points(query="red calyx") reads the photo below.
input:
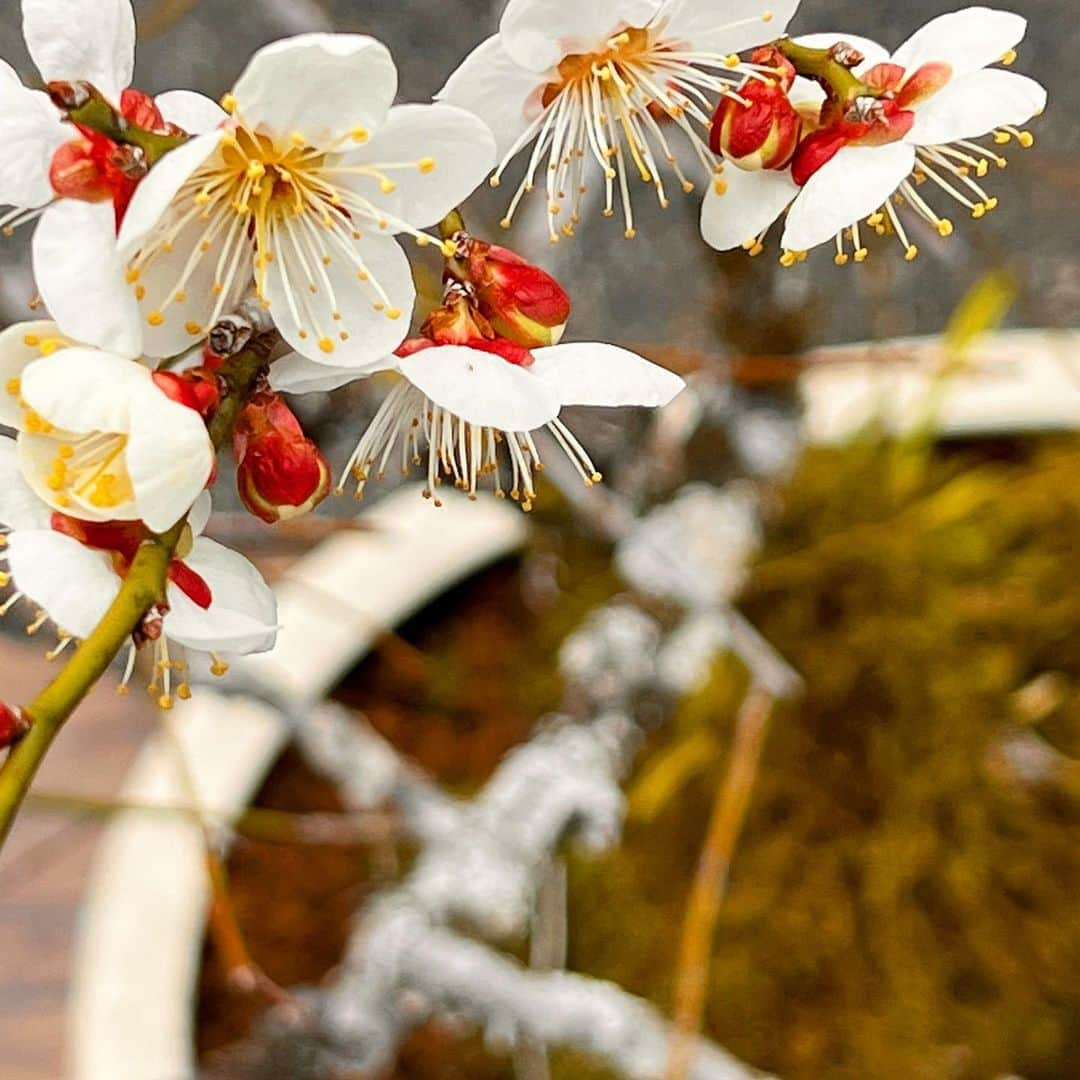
(760, 131)
(521, 302)
(197, 389)
(190, 584)
(13, 725)
(281, 474)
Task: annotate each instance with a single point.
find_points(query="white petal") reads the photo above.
(459, 144)
(80, 276)
(731, 26)
(749, 205)
(37, 459)
(968, 40)
(170, 458)
(8, 74)
(19, 348)
(875, 54)
(482, 388)
(539, 33)
(322, 86)
(191, 273)
(84, 390)
(856, 183)
(296, 374)
(91, 40)
(305, 319)
(242, 617)
(74, 584)
(976, 104)
(199, 514)
(154, 195)
(30, 132)
(505, 95)
(20, 508)
(595, 373)
(194, 112)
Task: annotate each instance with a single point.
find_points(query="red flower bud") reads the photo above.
(761, 131)
(457, 322)
(281, 473)
(197, 389)
(523, 303)
(139, 109)
(13, 725)
(76, 172)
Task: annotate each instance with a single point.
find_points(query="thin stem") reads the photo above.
(142, 589)
(711, 882)
(822, 66)
(98, 115)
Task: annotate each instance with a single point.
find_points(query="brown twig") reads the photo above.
(713, 873)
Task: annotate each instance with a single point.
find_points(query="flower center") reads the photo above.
(622, 50)
(91, 469)
(287, 208)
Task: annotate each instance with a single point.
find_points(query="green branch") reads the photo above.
(842, 84)
(142, 589)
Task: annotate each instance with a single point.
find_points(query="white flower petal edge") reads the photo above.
(243, 615)
(728, 27)
(539, 33)
(858, 181)
(975, 105)
(967, 40)
(322, 85)
(194, 112)
(92, 40)
(80, 276)
(74, 585)
(492, 85)
(751, 202)
(31, 132)
(595, 373)
(20, 508)
(481, 388)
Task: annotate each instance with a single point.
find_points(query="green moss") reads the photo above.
(903, 904)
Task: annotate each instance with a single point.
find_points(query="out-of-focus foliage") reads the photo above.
(904, 901)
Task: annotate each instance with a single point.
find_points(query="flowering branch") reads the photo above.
(143, 587)
(824, 67)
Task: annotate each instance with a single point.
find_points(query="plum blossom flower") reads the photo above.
(98, 439)
(70, 571)
(302, 191)
(599, 86)
(936, 95)
(474, 400)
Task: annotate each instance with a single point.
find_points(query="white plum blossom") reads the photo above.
(301, 192)
(598, 87)
(217, 602)
(98, 440)
(948, 94)
(474, 410)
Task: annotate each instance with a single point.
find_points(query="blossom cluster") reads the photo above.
(174, 236)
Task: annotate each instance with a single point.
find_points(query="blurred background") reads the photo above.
(902, 893)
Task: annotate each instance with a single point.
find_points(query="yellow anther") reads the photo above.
(180, 297)
(788, 259)
(494, 181)
(1009, 58)
(13, 387)
(155, 318)
(630, 234)
(5, 580)
(912, 253)
(66, 452)
(256, 170)
(841, 258)
(183, 692)
(326, 344)
(49, 346)
(688, 187)
(991, 203)
(31, 341)
(360, 134)
(426, 165)
(140, 292)
(945, 227)
(1002, 137)
(193, 328)
(861, 254)
(219, 668)
(767, 17)
(297, 139)
(202, 198)
(505, 223)
(228, 103)
(978, 210)
(982, 168)
(720, 186)
(1026, 139)
(732, 61)
(874, 220)
(133, 276)
(165, 702)
(387, 187)
(394, 313)
(756, 250)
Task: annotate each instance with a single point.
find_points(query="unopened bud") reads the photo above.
(281, 474)
(522, 303)
(77, 172)
(13, 725)
(759, 129)
(139, 109)
(196, 389)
